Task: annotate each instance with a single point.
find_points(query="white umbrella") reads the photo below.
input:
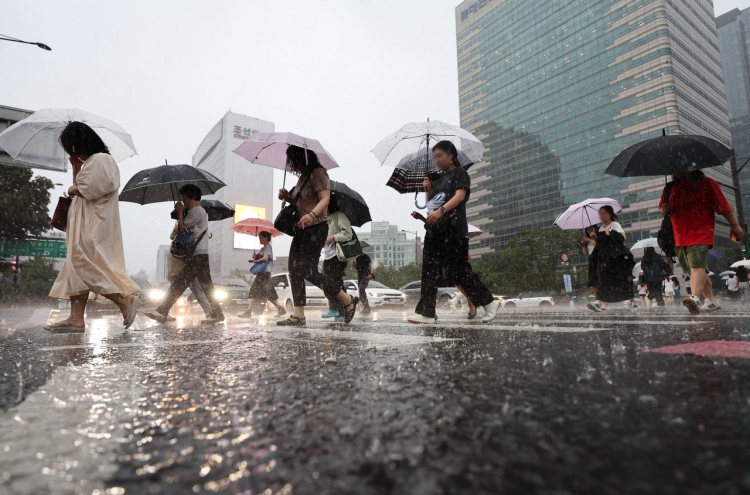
(740, 263)
(585, 213)
(725, 277)
(648, 242)
(637, 269)
(474, 231)
(728, 272)
(36, 139)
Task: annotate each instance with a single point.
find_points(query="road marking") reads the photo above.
(490, 326)
(161, 343)
(388, 339)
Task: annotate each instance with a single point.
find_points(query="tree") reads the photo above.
(37, 277)
(531, 261)
(398, 277)
(24, 203)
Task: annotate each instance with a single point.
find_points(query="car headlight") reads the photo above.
(220, 295)
(181, 302)
(375, 294)
(156, 294)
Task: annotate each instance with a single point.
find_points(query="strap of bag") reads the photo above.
(198, 240)
(304, 184)
(668, 191)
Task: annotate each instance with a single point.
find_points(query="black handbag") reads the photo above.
(447, 226)
(665, 236)
(287, 219)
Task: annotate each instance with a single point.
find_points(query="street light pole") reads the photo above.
(416, 247)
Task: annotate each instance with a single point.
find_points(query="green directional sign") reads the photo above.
(48, 249)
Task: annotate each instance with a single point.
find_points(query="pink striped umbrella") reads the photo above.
(254, 226)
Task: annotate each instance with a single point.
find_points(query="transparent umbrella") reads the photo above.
(36, 139)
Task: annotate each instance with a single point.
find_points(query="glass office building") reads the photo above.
(733, 29)
(555, 89)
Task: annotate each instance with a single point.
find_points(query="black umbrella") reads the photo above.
(351, 204)
(215, 209)
(667, 155)
(156, 185)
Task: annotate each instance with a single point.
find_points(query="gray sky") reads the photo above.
(345, 72)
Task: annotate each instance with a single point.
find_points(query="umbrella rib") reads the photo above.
(32, 137)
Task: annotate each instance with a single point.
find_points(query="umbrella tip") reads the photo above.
(165, 162)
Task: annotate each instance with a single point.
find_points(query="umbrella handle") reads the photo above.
(416, 201)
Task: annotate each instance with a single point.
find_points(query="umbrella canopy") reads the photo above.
(36, 139)
(725, 277)
(714, 255)
(737, 264)
(215, 209)
(351, 204)
(474, 231)
(363, 244)
(423, 160)
(648, 242)
(667, 155)
(584, 214)
(728, 273)
(269, 149)
(254, 226)
(156, 185)
(637, 270)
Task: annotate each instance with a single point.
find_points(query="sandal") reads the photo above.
(62, 326)
(130, 313)
(349, 313)
(292, 321)
(472, 315)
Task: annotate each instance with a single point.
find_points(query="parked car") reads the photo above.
(283, 286)
(182, 306)
(447, 297)
(378, 295)
(529, 300)
(100, 304)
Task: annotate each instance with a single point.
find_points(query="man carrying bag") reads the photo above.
(195, 256)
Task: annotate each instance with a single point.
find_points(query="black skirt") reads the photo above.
(262, 288)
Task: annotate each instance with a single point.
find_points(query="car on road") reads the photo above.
(378, 295)
(447, 297)
(528, 300)
(283, 286)
(100, 304)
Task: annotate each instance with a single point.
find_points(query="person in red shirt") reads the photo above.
(693, 204)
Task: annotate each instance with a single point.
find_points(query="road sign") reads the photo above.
(564, 257)
(48, 249)
(568, 283)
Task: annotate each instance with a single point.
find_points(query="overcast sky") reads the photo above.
(346, 72)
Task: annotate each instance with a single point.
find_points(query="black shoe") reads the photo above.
(472, 315)
(366, 311)
(349, 313)
(292, 321)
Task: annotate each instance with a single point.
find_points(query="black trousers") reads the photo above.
(655, 292)
(362, 284)
(449, 255)
(198, 268)
(303, 263)
(334, 270)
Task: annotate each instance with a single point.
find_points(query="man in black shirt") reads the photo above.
(363, 265)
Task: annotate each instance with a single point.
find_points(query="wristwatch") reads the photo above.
(442, 208)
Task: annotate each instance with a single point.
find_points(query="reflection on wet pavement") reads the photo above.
(537, 402)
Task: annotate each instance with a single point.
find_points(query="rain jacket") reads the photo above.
(656, 271)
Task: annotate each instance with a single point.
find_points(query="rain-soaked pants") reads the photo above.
(450, 255)
(303, 264)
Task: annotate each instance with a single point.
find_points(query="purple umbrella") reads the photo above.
(269, 149)
(474, 231)
(585, 213)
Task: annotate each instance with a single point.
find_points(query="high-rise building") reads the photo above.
(161, 264)
(733, 29)
(389, 246)
(249, 190)
(555, 89)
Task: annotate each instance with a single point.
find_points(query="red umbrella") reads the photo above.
(254, 226)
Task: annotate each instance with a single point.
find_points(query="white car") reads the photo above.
(283, 286)
(528, 300)
(378, 295)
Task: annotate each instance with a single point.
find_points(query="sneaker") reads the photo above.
(692, 304)
(330, 314)
(711, 306)
(490, 311)
(594, 306)
(155, 315)
(417, 318)
(339, 319)
(634, 305)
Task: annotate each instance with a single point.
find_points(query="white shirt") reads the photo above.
(614, 227)
(330, 250)
(196, 221)
(668, 288)
(732, 284)
(267, 250)
(590, 247)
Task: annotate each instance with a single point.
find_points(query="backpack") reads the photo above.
(665, 236)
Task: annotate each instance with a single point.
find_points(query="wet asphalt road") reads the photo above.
(557, 402)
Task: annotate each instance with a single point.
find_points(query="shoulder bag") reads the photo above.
(184, 245)
(348, 249)
(60, 217)
(287, 219)
(259, 268)
(446, 227)
(665, 236)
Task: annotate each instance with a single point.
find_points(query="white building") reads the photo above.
(249, 190)
(389, 246)
(161, 264)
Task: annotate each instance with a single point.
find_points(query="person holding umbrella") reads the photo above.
(614, 262)
(693, 200)
(197, 266)
(262, 290)
(95, 259)
(312, 195)
(446, 242)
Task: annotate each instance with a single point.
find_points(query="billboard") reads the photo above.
(379, 230)
(242, 212)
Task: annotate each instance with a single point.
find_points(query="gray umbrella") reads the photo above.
(161, 184)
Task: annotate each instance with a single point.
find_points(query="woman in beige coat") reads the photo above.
(95, 261)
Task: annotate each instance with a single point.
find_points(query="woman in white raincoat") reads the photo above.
(95, 260)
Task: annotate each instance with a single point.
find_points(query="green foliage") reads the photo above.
(37, 277)
(24, 203)
(246, 276)
(398, 277)
(531, 262)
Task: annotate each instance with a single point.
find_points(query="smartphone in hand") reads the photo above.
(418, 216)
